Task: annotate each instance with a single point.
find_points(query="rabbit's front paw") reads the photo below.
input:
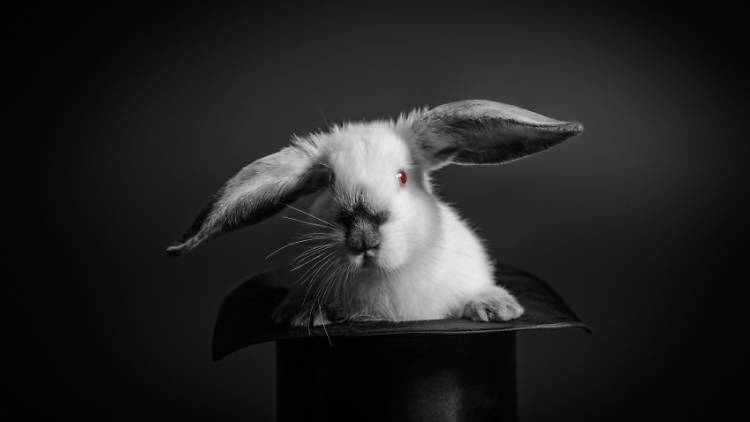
(310, 316)
(494, 305)
(292, 312)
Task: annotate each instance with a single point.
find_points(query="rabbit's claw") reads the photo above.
(495, 305)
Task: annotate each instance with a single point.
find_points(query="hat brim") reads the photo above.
(244, 316)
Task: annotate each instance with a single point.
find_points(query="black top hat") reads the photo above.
(451, 370)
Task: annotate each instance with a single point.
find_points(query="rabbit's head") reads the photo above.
(374, 207)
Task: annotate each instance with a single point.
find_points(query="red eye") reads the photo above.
(401, 176)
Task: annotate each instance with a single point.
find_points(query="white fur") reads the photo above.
(365, 157)
(409, 255)
(430, 264)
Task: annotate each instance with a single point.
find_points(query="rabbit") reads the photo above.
(387, 247)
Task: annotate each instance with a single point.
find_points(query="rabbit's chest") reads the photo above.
(406, 300)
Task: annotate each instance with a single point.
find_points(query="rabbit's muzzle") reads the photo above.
(362, 229)
(363, 236)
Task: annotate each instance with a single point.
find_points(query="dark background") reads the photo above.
(127, 118)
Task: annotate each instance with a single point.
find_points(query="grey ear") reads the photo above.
(257, 192)
(486, 132)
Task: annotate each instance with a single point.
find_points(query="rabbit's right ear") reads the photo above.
(484, 132)
(257, 192)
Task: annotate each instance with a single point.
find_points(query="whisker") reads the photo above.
(328, 223)
(309, 280)
(316, 254)
(308, 252)
(303, 277)
(323, 286)
(312, 281)
(324, 327)
(329, 282)
(304, 222)
(309, 319)
(347, 279)
(288, 245)
(317, 235)
(324, 260)
(338, 281)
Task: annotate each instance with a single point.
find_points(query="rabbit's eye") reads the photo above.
(332, 180)
(401, 176)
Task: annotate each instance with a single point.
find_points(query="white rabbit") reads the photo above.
(387, 248)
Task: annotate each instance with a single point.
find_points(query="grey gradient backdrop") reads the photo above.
(131, 117)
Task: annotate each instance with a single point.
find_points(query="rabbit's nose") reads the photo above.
(363, 236)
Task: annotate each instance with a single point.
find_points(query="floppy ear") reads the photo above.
(257, 192)
(485, 132)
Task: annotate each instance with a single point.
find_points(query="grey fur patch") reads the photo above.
(487, 132)
(257, 192)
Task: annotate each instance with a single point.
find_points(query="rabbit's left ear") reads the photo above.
(485, 132)
(257, 192)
